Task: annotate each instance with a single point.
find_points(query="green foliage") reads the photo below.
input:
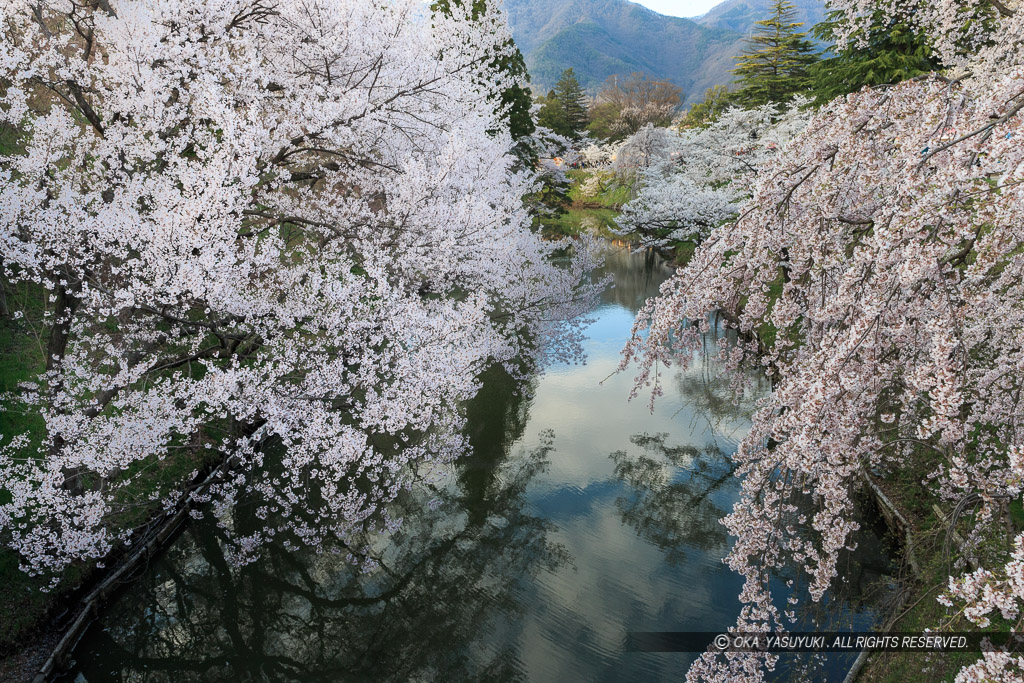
(717, 100)
(515, 101)
(24, 606)
(603, 119)
(574, 101)
(774, 66)
(563, 210)
(551, 114)
(9, 139)
(893, 52)
(22, 602)
(550, 202)
(921, 611)
(564, 109)
(613, 192)
(26, 601)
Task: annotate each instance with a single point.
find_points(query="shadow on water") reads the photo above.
(578, 518)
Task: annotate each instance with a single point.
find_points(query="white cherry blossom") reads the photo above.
(289, 231)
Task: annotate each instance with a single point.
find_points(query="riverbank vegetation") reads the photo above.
(882, 246)
(228, 225)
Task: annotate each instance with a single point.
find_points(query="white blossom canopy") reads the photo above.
(885, 250)
(286, 221)
(698, 178)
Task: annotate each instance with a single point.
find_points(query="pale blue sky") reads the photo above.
(679, 8)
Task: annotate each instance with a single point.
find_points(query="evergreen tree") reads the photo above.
(574, 103)
(894, 52)
(774, 66)
(552, 113)
(564, 109)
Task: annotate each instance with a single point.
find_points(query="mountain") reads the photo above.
(599, 38)
(740, 15)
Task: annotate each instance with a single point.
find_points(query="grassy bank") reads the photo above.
(606, 190)
(926, 575)
(596, 214)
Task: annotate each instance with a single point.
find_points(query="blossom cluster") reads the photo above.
(691, 181)
(289, 232)
(882, 258)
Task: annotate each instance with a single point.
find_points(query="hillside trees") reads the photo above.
(626, 104)
(884, 249)
(773, 67)
(294, 223)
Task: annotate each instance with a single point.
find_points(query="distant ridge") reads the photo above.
(598, 38)
(740, 15)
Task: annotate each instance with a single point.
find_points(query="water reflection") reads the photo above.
(671, 501)
(637, 276)
(530, 561)
(300, 617)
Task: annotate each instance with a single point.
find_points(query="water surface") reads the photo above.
(579, 517)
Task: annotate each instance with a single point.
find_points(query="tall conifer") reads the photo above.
(774, 66)
(573, 100)
(893, 51)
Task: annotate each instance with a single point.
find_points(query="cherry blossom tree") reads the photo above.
(288, 232)
(599, 154)
(649, 146)
(700, 176)
(884, 252)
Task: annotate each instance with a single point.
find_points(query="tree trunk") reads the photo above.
(5, 311)
(56, 348)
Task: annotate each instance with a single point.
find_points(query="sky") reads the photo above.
(679, 8)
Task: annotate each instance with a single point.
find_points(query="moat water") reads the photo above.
(580, 517)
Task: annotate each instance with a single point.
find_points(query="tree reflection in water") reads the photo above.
(675, 499)
(679, 493)
(426, 612)
(633, 284)
(671, 501)
(676, 495)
